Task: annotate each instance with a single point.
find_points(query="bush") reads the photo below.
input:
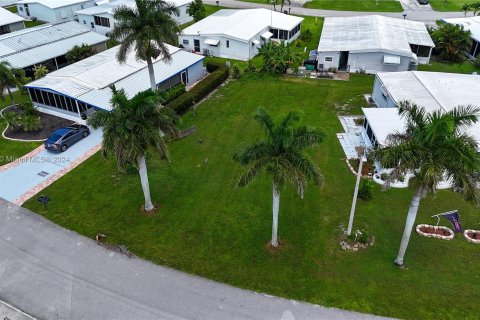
(365, 191)
(250, 67)
(172, 93)
(476, 62)
(361, 236)
(236, 72)
(201, 90)
(29, 122)
(306, 35)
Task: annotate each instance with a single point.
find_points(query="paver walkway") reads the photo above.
(24, 177)
(53, 273)
(412, 14)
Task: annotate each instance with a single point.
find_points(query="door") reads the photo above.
(343, 61)
(26, 10)
(196, 45)
(184, 77)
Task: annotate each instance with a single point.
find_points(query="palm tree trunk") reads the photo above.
(10, 93)
(275, 207)
(411, 216)
(281, 7)
(142, 170)
(151, 73)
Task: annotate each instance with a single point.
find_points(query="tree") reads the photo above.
(7, 80)
(78, 53)
(21, 78)
(435, 147)
(452, 41)
(476, 7)
(278, 57)
(465, 8)
(196, 9)
(39, 71)
(281, 154)
(132, 129)
(145, 29)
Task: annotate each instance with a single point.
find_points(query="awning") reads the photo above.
(256, 42)
(266, 35)
(211, 42)
(391, 59)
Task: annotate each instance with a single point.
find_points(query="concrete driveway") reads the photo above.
(24, 177)
(52, 273)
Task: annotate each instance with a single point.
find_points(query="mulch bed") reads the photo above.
(49, 124)
(431, 230)
(473, 235)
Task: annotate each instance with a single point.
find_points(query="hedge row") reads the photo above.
(172, 93)
(219, 73)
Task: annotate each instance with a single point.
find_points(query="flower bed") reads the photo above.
(440, 232)
(472, 236)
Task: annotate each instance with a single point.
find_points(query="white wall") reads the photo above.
(89, 20)
(371, 62)
(382, 100)
(184, 17)
(44, 13)
(195, 72)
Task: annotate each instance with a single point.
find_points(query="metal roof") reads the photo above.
(89, 80)
(373, 33)
(7, 17)
(53, 4)
(27, 47)
(107, 7)
(384, 121)
(242, 24)
(470, 23)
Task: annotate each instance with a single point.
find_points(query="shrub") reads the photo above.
(30, 122)
(28, 109)
(306, 35)
(365, 191)
(250, 67)
(361, 236)
(39, 71)
(476, 62)
(11, 118)
(201, 90)
(384, 176)
(172, 93)
(236, 72)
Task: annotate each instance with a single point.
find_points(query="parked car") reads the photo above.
(64, 138)
(422, 1)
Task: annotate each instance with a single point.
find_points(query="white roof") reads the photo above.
(53, 4)
(471, 23)
(242, 24)
(7, 17)
(107, 7)
(27, 47)
(431, 90)
(372, 33)
(384, 121)
(89, 80)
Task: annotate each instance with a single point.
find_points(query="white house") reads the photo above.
(10, 22)
(430, 90)
(52, 10)
(100, 18)
(46, 44)
(373, 44)
(238, 34)
(85, 85)
(472, 24)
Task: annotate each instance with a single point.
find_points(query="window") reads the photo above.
(228, 44)
(185, 41)
(81, 6)
(21, 8)
(92, 25)
(84, 22)
(101, 21)
(328, 59)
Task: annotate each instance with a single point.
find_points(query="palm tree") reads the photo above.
(435, 147)
(278, 57)
(131, 129)
(465, 8)
(7, 80)
(145, 29)
(282, 156)
(452, 41)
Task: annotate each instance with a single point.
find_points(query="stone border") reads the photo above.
(429, 235)
(357, 245)
(6, 128)
(42, 185)
(470, 239)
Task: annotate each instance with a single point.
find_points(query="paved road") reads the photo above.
(412, 13)
(53, 273)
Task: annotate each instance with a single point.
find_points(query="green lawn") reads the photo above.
(12, 9)
(207, 227)
(209, 9)
(13, 149)
(450, 5)
(356, 5)
(440, 66)
(30, 24)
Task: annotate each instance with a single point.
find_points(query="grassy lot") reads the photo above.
(440, 66)
(210, 9)
(12, 9)
(449, 5)
(13, 149)
(207, 227)
(28, 24)
(356, 5)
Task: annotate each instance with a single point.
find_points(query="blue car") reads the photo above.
(64, 138)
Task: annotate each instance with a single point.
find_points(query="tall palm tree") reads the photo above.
(131, 130)
(435, 147)
(145, 29)
(7, 80)
(282, 156)
(465, 8)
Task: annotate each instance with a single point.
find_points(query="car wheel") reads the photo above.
(64, 148)
(85, 134)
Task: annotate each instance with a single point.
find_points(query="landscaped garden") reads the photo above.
(208, 227)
